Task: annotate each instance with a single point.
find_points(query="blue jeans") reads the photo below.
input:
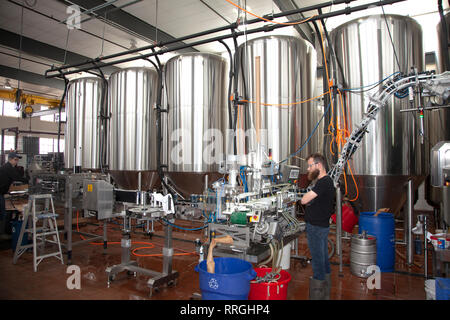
(318, 246)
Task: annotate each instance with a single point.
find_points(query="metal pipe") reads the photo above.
(207, 32)
(268, 28)
(258, 97)
(409, 222)
(105, 235)
(425, 264)
(339, 226)
(2, 160)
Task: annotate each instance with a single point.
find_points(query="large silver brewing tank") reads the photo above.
(288, 74)
(391, 152)
(197, 119)
(437, 120)
(132, 127)
(442, 64)
(84, 138)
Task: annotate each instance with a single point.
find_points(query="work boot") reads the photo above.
(317, 289)
(328, 286)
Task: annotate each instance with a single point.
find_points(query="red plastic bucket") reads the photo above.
(269, 290)
(349, 218)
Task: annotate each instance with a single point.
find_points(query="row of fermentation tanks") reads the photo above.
(112, 124)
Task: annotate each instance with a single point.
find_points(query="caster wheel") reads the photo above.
(153, 290)
(172, 283)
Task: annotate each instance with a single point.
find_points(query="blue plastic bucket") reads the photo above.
(382, 227)
(230, 280)
(16, 227)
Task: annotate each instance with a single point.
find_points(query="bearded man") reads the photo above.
(319, 206)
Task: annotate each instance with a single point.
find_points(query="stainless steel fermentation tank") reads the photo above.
(288, 75)
(132, 128)
(391, 152)
(437, 120)
(443, 65)
(197, 119)
(85, 139)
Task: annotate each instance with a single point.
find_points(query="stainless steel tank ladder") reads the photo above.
(48, 227)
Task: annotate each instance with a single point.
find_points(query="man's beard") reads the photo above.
(313, 175)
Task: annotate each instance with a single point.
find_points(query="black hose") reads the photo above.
(103, 117)
(236, 94)
(325, 89)
(230, 81)
(158, 124)
(158, 121)
(330, 45)
(66, 85)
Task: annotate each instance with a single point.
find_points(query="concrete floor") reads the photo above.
(49, 282)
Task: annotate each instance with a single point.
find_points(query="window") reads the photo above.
(63, 116)
(52, 117)
(9, 109)
(47, 145)
(9, 142)
(49, 117)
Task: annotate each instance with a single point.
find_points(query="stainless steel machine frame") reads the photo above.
(440, 179)
(67, 189)
(158, 279)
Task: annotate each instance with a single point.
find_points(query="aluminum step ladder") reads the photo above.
(43, 225)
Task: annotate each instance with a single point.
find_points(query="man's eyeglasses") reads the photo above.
(310, 165)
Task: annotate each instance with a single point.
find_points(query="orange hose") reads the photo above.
(330, 84)
(350, 126)
(345, 183)
(354, 181)
(284, 23)
(287, 104)
(151, 246)
(344, 116)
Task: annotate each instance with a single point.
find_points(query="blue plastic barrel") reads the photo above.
(442, 288)
(230, 280)
(382, 227)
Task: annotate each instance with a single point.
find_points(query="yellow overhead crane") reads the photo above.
(27, 101)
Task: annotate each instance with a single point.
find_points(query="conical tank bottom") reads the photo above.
(376, 192)
(129, 180)
(188, 183)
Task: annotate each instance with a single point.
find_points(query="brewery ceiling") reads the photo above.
(34, 34)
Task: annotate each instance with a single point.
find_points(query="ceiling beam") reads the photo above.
(305, 31)
(127, 22)
(44, 50)
(30, 77)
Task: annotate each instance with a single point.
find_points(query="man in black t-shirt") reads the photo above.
(319, 205)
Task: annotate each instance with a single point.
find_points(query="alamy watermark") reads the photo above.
(187, 147)
(74, 19)
(374, 280)
(73, 281)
